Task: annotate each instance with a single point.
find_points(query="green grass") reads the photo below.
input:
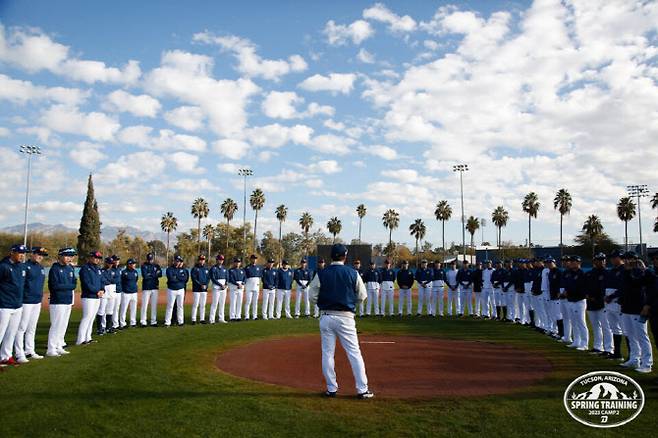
(163, 382)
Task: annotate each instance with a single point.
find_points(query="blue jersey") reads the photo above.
(465, 277)
(302, 274)
(177, 277)
(253, 271)
(35, 277)
(284, 279)
(387, 274)
(270, 277)
(423, 275)
(405, 278)
(438, 274)
(117, 278)
(151, 274)
(372, 276)
(90, 281)
(12, 284)
(236, 275)
(129, 281)
(218, 272)
(61, 284)
(200, 278)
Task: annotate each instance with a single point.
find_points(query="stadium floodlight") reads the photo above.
(461, 168)
(638, 191)
(28, 150)
(244, 173)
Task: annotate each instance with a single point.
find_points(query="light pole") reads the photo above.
(638, 191)
(29, 150)
(244, 173)
(461, 168)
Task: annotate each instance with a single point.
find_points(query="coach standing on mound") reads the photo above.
(337, 290)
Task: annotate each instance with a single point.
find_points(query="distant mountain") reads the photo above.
(107, 233)
(602, 391)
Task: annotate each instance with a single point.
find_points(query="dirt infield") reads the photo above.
(397, 366)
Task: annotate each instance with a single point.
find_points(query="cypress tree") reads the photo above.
(89, 238)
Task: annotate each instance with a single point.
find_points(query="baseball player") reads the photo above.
(61, 284)
(92, 290)
(106, 305)
(423, 277)
(177, 278)
(35, 277)
(612, 306)
(388, 286)
(357, 267)
(567, 316)
(465, 281)
(12, 287)
(372, 279)
(129, 279)
(596, 307)
(337, 290)
(253, 273)
(284, 289)
(302, 277)
(487, 290)
(497, 295)
(218, 279)
(536, 295)
(555, 313)
(507, 287)
(575, 290)
(270, 281)
(438, 284)
(118, 295)
(236, 279)
(151, 273)
(320, 267)
(521, 311)
(405, 280)
(200, 275)
(477, 289)
(453, 289)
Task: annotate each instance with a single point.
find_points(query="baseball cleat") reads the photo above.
(365, 395)
(330, 394)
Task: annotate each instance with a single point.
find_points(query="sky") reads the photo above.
(332, 104)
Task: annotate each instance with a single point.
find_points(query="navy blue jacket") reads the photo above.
(150, 275)
(496, 276)
(35, 278)
(236, 275)
(284, 279)
(405, 279)
(61, 283)
(596, 279)
(12, 284)
(107, 276)
(338, 288)
(438, 274)
(90, 281)
(576, 285)
(302, 274)
(387, 274)
(518, 279)
(536, 280)
(372, 276)
(633, 291)
(177, 277)
(200, 278)
(423, 275)
(505, 278)
(253, 271)
(129, 281)
(218, 272)
(269, 278)
(465, 277)
(117, 278)
(554, 282)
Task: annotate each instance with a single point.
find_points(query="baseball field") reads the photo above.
(168, 382)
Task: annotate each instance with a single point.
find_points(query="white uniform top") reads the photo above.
(451, 276)
(544, 279)
(486, 278)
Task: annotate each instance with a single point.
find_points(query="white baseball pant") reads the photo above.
(387, 295)
(252, 291)
(10, 319)
(27, 328)
(59, 322)
(129, 301)
(235, 301)
(218, 301)
(269, 300)
(199, 305)
(301, 295)
(149, 297)
(89, 311)
(372, 288)
(174, 297)
(638, 340)
(405, 295)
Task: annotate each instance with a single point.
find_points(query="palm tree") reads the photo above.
(334, 226)
(443, 212)
(208, 234)
(228, 209)
(257, 201)
(281, 214)
(417, 229)
(199, 211)
(391, 220)
(499, 217)
(654, 201)
(562, 203)
(361, 212)
(625, 213)
(168, 223)
(593, 229)
(530, 205)
(306, 222)
(472, 225)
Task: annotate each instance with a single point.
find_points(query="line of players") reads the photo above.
(530, 292)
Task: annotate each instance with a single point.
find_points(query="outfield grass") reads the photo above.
(163, 382)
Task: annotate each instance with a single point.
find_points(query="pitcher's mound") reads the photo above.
(397, 366)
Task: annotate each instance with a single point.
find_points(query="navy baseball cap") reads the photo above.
(630, 255)
(284, 262)
(96, 254)
(19, 248)
(338, 250)
(220, 257)
(599, 256)
(236, 259)
(109, 260)
(131, 262)
(178, 258)
(575, 258)
(150, 256)
(616, 253)
(202, 257)
(549, 259)
(270, 260)
(304, 260)
(423, 261)
(372, 262)
(40, 250)
(253, 257)
(68, 252)
(115, 257)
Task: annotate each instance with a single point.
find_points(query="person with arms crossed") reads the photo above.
(35, 277)
(200, 275)
(91, 284)
(151, 273)
(337, 290)
(12, 288)
(218, 279)
(61, 285)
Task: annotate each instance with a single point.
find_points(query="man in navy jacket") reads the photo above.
(61, 284)
(200, 275)
(270, 279)
(177, 278)
(34, 281)
(405, 282)
(151, 273)
(129, 281)
(92, 290)
(12, 286)
(218, 279)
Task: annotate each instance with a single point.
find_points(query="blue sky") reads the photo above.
(331, 105)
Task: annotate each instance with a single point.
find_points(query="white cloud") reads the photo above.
(339, 34)
(230, 167)
(87, 154)
(283, 105)
(365, 56)
(33, 51)
(276, 135)
(135, 167)
(323, 166)
(396, 23)
(229, 148)
(140, 106)
(185, 162)
(4, 132)
(167, 139)
(331, 144)
(332, 124)
(97, 126)
(21, 92)
(186, 76)
(249, 62)
(381, 151)
(334, 82)
(189, 118)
